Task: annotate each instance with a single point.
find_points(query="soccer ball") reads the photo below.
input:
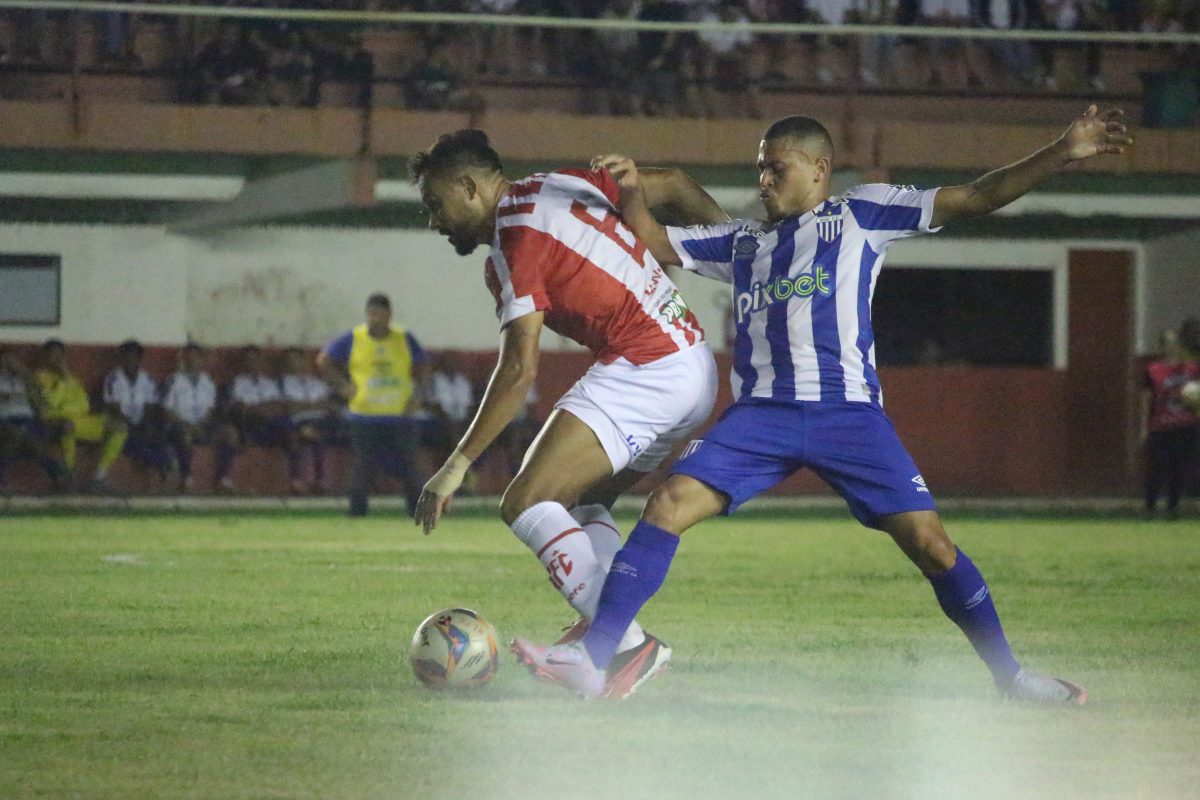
(454, 649)
(1191, 395)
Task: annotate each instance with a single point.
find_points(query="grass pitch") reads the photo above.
(265, 656)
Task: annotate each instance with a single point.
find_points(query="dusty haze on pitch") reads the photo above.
(923, 744)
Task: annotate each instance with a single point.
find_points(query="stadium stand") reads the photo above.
(71, 59)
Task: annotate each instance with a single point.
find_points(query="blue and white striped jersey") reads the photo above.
(802, 290)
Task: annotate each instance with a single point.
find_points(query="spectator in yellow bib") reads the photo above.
(377, 367)
(68, 411)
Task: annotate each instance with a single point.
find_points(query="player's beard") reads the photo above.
(462, 245)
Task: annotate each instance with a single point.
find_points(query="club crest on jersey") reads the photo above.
(829, 224)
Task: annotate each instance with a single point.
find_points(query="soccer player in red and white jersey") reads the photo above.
(561, 258)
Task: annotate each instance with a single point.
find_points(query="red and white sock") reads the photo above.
(601, 530)
(605, 537)
(565, 550)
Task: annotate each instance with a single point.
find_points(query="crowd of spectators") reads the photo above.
(270, 400)
(265, 61)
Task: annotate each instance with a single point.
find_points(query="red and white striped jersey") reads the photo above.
(561, 248)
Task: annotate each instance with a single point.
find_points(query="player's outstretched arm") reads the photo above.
(1096, 133)
(685, 200)
(515, 372)
(635, 209)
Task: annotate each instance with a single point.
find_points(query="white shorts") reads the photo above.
(640, 413)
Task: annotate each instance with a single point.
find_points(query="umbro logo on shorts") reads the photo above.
(920, 482)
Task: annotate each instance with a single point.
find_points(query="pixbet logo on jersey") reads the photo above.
(780, 288)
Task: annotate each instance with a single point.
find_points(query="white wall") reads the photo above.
(117, 282)
(276, 285)
(268, 285)
(285, 285)
(1171, 286)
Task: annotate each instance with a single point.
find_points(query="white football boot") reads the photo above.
(567, 665)
(1034, 687)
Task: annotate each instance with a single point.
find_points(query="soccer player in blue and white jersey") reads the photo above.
(805, 381)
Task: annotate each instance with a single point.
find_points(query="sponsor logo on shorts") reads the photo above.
(692, 447)
(920, 482)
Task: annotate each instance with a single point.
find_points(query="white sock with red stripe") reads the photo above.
(564, 549)
(605, 537)
(563, 545)
(601, 530)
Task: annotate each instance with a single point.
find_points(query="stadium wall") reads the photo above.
(301, 285)
(870, 131)
(1171, 286)
(972, 430)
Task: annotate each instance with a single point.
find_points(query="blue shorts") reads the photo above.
(851, 446)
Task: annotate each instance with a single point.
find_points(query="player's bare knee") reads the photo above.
(513, 503)
(659, 509)
(668, 508)
(923, 539)
(941, 551)
(524, 492)
(937, 552)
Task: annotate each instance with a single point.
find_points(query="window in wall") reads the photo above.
(30, 289)
(976, 317)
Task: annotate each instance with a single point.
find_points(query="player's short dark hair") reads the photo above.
(130, 346)
(467, 148)
(380, 300)
(800, 128)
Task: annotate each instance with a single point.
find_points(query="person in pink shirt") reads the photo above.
(1169, 424)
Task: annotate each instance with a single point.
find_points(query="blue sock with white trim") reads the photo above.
(964, 596)
(637, 572)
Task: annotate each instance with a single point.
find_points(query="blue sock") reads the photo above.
(964, 596)
(638, 570)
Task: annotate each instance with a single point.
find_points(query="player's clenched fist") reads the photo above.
(622, 169)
